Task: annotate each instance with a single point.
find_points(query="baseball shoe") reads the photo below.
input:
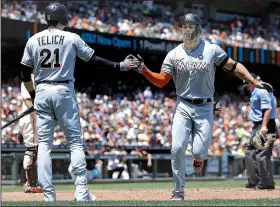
(176, 198)
(269, 187)
(90, 197)
(28, 189)
(197, 166)
(250, 185)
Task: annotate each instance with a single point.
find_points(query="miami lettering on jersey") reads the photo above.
(182, 66)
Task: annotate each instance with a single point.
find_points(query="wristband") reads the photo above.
(32, 94)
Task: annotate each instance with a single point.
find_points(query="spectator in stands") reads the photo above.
(154, 20)
(116, 164)
(92, 171)
(108, 120)
(139, 164)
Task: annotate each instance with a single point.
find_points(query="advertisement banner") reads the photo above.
(20, 30)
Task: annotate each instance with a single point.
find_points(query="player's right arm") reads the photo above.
(165, 75)
(27, 68)
(28, 101)
(87, 54)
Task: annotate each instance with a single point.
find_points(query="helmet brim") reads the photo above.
(187, 21)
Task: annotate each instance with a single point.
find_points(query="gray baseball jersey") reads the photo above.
(193, 74)
(194, 71)
(52, 53)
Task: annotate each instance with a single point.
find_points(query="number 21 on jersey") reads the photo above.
(49, 59)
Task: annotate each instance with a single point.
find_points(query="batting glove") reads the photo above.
(130, 62)
(263, 85)
(139, 69)
(32, 95)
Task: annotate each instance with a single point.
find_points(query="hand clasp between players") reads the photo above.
(130, 62)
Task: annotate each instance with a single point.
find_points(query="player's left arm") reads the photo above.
(87, 54)
(237, 69)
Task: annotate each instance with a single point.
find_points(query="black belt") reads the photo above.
(260, 122)
(197, 101)
(50, 82)
(271, 126)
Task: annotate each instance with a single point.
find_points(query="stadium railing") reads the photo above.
(217, 167)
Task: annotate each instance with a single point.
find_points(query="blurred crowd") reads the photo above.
(139, 118)
(150, 19)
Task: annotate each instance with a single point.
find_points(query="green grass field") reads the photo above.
(255, 202)
(157, 185)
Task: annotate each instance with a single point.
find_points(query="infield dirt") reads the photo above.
(153, 195)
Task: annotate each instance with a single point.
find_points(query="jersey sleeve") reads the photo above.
(25, 94)
(168, 64)
(220, 55)
(265, 99)
(83, 50)
(26, 58)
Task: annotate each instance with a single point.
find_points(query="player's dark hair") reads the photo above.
(52, 23)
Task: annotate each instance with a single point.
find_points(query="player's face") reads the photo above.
(188, 31)
(250, 87)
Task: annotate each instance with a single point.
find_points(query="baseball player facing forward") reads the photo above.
(27, 129)
(192, 66)
(52, 53)
(258, 159)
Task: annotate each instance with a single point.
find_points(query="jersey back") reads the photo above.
(52, 53)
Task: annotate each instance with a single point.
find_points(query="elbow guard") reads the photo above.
(26, 73)
(233, 67)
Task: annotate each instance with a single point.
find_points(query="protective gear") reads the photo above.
(258, 83)
(139, 69)
(197, 166)
(30, 167)
(57, 12)
(259, 167)
(192, 18)
(28, 189)
(261, 141)
(130, 62)
(233, 67)
(215, 109)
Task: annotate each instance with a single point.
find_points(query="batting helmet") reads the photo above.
(57, 12)
(192, 18)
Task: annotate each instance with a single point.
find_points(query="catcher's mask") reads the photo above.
(194, 19)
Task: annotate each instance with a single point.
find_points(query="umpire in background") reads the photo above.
(258, 161)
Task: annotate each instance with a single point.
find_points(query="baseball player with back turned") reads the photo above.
(52, 53)
(192, 66)
(27, 129)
